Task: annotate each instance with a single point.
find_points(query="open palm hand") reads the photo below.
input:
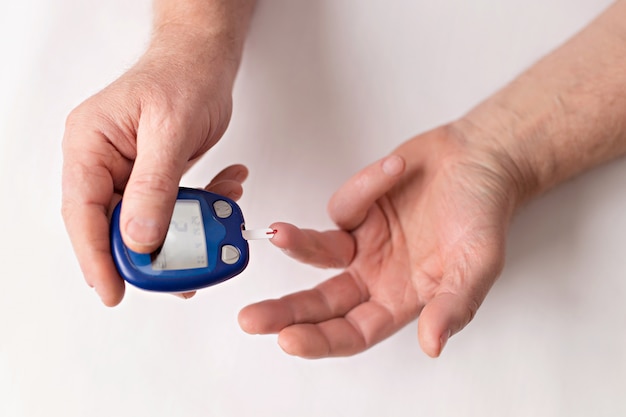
(422, 233)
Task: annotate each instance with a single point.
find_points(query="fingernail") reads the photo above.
(444, 339)
(143, 231)
(393, 165)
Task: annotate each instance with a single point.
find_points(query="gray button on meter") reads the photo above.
(230, 254)
(222, 209)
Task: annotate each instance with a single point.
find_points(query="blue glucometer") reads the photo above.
(204, 246)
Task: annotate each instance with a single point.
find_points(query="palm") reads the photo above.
(429, 242)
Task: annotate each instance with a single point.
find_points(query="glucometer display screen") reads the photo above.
(185, 243)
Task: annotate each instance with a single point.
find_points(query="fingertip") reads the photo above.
(328, 249)
(290, 343)
(431, 341)
(446, 314)
(100, 273)
(235, 172)
(393, 165)
(284, 234)
(227, 188)
(185, 295)
(246, 320)
(265, 317)
(228, 181)
(430, 328)
(241, 172)
(111, 296)
(433, 345)
(253, 319)
(349, 205)
(443, 339)
(304, 340)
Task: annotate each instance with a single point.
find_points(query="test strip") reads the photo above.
(255, 234)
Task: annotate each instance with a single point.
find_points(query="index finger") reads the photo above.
(329, 249)
(88, 192)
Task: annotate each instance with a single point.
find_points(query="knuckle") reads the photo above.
(67, 210)
(84, 118)
(472, 308)
(72, 121)
(73, 117)
(80, 115)
(148, 184)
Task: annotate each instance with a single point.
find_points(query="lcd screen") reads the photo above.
(185, 244)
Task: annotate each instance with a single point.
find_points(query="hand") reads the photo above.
(137, 137)
(422, 234)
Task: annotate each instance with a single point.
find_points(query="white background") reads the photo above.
(325, 88)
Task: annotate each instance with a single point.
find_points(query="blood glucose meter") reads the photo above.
(205, 245)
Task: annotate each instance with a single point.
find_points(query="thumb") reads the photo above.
(462, 290)
(152, 188)
(445, 315)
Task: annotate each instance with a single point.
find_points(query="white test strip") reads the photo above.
(255, 234)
